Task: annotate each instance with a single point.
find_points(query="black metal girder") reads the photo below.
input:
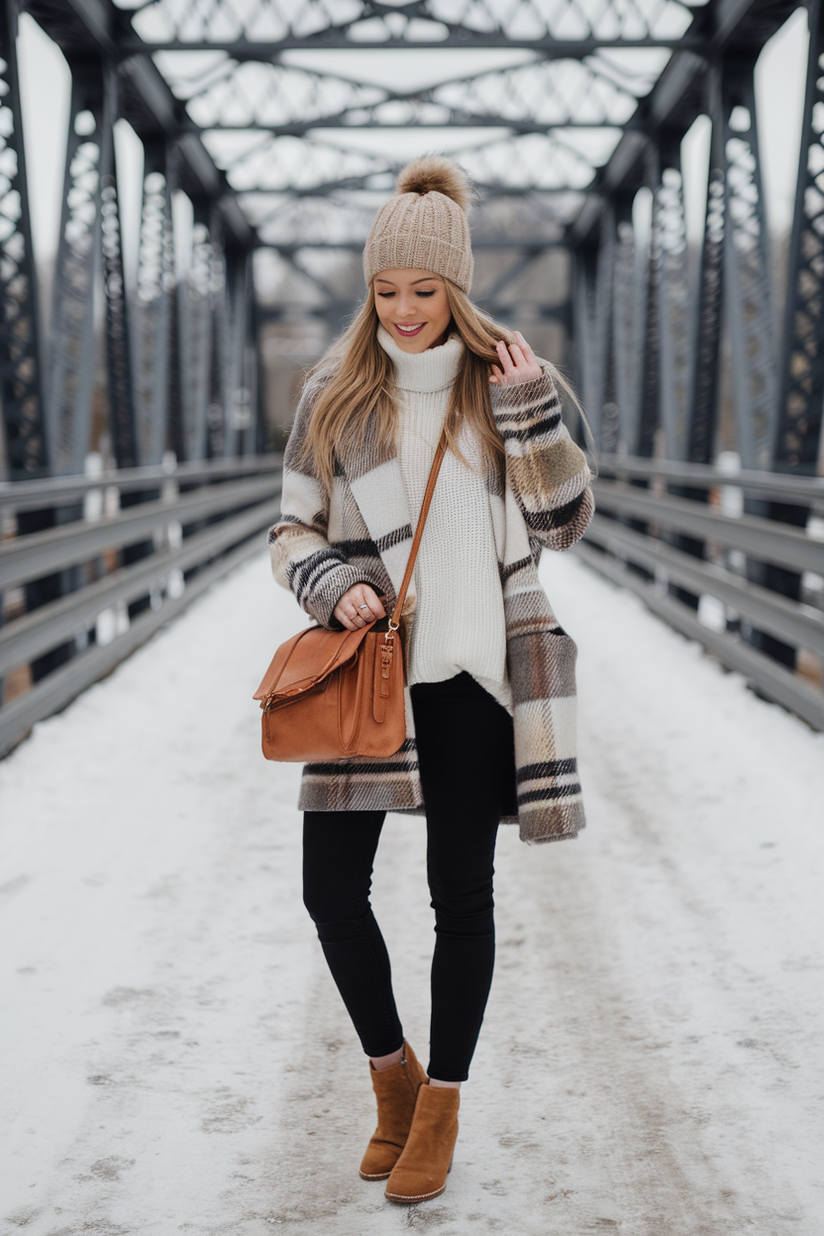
(461, 39)
(679, 95)
(391, 29)
(22, 418)
(798, 433)
(457, 118)
(486, 189)
(95, 28)
(532, 243)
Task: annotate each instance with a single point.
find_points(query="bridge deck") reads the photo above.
(177, 1059)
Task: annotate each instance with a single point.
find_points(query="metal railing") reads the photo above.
(209, 517)
(629, 542)
(199, 522)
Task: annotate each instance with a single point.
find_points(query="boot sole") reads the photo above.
(422, 1197)
(380, 1176)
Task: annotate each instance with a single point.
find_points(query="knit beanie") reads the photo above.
(424, 226)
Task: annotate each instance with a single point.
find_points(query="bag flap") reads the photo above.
(308, 658)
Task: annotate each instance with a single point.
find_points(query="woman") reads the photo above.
(490, 673)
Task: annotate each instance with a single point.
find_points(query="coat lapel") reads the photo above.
(381, 500)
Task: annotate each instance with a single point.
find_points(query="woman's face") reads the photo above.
(413, 307)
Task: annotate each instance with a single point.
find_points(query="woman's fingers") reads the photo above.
(370, 599)
(507, 372)
(518, 362)
(358, 606)
(532, 367)
(526, 349)
(343, 617)
(506, 358)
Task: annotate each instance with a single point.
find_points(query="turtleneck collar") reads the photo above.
(432, 370)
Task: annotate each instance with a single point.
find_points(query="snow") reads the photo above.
(176, 1058)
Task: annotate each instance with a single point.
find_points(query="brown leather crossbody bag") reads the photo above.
(328, 695)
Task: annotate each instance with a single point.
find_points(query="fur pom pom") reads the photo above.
(436, 175)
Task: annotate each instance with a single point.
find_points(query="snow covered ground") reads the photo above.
(176, 1059)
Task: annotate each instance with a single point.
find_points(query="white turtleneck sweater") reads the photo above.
(459, 619)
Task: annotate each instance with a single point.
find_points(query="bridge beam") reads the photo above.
(798, 432)
(155, 336)
(748, 291)
(21, 394)
(72, 353)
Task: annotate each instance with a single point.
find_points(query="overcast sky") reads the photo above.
(45, 85)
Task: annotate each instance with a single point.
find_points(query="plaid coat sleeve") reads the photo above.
(546, 472)
(302, 558)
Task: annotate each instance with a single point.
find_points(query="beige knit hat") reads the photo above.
(424, 226)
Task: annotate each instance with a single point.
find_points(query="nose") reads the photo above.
(407, 307)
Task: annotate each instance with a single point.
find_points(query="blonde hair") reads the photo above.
(362, 381)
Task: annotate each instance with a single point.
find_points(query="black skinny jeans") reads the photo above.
(467, 765)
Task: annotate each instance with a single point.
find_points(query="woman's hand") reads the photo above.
(518, 363)
(358, 606)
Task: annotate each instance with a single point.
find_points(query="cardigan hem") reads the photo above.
(327, 798)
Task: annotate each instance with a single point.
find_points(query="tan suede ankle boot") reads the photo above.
(421, 1170)
(396, 1090)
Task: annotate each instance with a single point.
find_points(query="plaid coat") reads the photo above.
(361, 531)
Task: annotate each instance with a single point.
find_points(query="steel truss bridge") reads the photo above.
(282, 123)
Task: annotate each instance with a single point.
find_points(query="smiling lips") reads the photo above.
(409, 331)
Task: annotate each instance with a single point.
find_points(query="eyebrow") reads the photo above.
(426, 279)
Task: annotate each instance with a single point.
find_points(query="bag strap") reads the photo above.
(394, 621)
